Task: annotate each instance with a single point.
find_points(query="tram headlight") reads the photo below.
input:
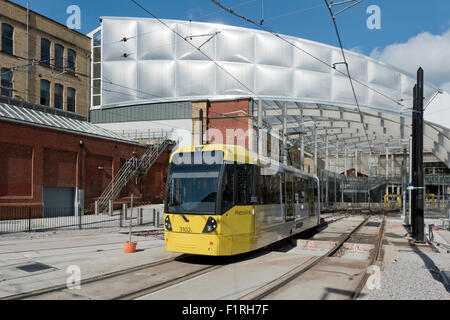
(167, 224)
(211, 225)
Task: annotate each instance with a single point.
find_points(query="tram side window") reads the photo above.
(264, 188)
(310, 196)
(228, 189)
(269, 187)
(275, 184)
(288, 194)
(297, 190)
(244, 183)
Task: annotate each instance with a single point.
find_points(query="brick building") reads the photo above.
(50, 161)
(58, 60)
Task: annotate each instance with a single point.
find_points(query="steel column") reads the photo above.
(418, 175)
(302, 141)
(345, 161)
(327, 169)
(387, 163)
(285, 150)
(260, 130)
(316, 171)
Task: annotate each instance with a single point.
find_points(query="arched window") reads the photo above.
(45, 92)
(71, 99)
(58, 96)
(7, 38)
(45, 52)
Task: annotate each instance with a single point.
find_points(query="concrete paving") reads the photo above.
(94, 254)
(243, 278)
(99, 252)
(233, 281)
(334, 278)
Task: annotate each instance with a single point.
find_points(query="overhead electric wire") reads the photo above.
(290, 13)
(348, 70)
(199, 50)
(303, 50)
(241, 4)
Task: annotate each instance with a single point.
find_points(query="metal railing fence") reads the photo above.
(36, 219)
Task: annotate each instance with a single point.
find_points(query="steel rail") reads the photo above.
(374, 260)
(142, 292)
(299, 270)
(57, 288)
(160, 286)
(194, 274)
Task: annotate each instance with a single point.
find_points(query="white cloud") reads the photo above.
(431, 52)
(357, 49)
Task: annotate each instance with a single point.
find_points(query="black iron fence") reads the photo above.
(29, 219)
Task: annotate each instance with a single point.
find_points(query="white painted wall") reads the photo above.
(182, 128)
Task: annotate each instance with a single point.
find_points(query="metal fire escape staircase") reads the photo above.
(132, 168)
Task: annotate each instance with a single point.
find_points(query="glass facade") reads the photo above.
(97, 69)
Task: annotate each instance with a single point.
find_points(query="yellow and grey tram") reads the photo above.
(223, 200)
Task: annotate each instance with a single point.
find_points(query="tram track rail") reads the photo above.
(53, 289)
(161, 286)
(135, 294)
(295, 273)
(375, 258)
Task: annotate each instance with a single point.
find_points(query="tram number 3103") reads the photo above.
(185, 230)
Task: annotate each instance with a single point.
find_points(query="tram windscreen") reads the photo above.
(193, 189)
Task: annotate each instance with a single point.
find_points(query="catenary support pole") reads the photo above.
(418, 176)
(316, 170)
(260, 128)
(387, 163)
(285, 147)
(302, 140)
(410, 182)
(327, 169)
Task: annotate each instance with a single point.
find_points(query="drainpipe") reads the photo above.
(28, 53)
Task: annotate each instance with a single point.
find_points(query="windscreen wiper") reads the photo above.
(185, 219)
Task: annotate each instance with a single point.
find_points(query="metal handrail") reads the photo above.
(131, 168)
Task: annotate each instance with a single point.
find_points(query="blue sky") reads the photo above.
(410, 29)
(401, 19)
